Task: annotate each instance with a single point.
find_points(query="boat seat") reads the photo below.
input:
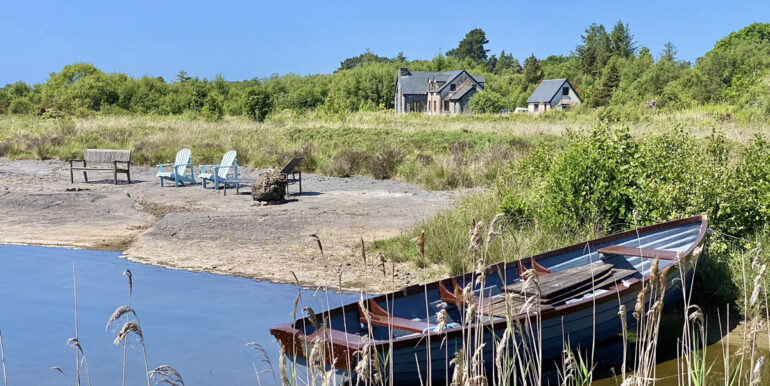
(455, 297)
(381, 317)
(620, 250)
(565, 281)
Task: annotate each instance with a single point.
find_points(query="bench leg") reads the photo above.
(85, 176)
(128, 174)
(115, 176)
(72, 176)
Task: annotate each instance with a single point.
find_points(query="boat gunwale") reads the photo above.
(546, 312)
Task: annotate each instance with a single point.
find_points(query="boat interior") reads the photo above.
(564, 278)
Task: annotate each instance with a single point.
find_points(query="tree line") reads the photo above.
(607, 69)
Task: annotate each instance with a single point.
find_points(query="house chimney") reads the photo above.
(403, 71)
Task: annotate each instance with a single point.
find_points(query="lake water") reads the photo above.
(195, 322)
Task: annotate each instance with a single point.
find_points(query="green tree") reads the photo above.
(507, 63)
(182, 77)
(257, 103)
(532, 71)
(366, 58)
(471, 47)
(610, 81)
(622, 41)
(669, 52)
(595, 49)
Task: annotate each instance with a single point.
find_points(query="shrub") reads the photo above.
(20, 106)
(212, 108)
(348, 162)
(487, 102)
(257, 103)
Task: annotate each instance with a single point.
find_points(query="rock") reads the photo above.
(270, 186)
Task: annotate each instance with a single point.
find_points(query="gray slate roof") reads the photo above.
(417, 83)
(546, 90)
(464, 89)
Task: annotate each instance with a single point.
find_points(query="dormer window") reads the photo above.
(452, 87)
(565, 91)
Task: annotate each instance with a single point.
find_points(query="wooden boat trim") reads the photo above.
(546, 312)
(381, 317)
(638, 252)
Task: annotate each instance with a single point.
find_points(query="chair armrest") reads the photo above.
(77, 160)
(177, 166)
(168, 164)
(204, 167)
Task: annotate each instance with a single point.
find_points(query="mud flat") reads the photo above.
(202, 230)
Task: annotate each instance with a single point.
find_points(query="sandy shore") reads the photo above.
(196, 229)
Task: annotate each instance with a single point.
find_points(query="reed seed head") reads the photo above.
(128, 328)
(168, 375)
(475, 238)
(117, 314)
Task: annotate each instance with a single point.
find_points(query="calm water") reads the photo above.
(195, 322)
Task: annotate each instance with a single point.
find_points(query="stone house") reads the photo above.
(553, 94)
(435, 93)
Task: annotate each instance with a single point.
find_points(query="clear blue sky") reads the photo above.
(247, 39)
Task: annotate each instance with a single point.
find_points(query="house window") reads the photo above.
(415, 107)
(536, 106)
(452, 87)
(446, 105)
(565, 91)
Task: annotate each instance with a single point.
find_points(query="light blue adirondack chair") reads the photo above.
(181, 170)
(218, 174)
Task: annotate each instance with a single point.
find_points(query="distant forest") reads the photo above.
(609, 70)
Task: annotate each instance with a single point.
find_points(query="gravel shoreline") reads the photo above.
(202, 230)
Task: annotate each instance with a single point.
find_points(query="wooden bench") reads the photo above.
(103, 160)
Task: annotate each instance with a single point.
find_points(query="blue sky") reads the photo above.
(247, 39)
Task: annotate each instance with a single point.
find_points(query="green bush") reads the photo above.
(20, 106)
(212, 108)
(487, 102)
(257, 103)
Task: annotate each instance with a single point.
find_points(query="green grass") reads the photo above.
(433, 153)
(447, 237)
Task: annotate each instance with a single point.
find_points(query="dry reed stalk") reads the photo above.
(133, 327)
(261, 353)
(363, 251)
(2, 357)
(318, 242)
(282, 364)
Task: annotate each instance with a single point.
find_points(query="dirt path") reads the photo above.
(196, 229)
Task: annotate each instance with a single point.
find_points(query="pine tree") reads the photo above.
(532, 71)
(623, 44)
(610, 81)
(669, 52)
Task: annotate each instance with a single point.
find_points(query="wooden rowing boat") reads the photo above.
(581, 289)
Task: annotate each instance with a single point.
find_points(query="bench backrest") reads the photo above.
(106, 155)
(182, 158)
(289, 168)
(227, 161)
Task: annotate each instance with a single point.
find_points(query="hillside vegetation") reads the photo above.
(610, 70)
